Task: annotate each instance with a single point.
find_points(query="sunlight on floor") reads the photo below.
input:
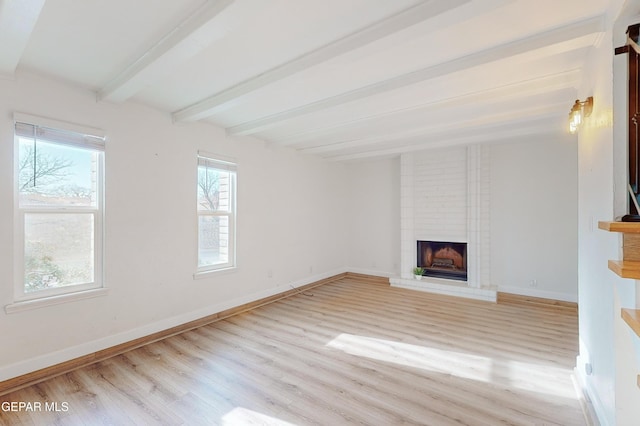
(522, 375)
(244, 416)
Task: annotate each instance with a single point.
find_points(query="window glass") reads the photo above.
(216, 214)
(58, 251)
(56, 175)
(213, 240)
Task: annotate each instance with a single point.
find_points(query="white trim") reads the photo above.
(534, 292)
(200, 275)
(47, 360)
(27, 305)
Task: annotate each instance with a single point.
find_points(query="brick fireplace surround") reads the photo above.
(445, 196)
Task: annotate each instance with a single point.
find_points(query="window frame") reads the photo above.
(95, 143)
(221, 163)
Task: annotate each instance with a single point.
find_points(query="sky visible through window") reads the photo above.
(55, 174)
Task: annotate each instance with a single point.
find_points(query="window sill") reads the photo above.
(207, 274)
(53, 300)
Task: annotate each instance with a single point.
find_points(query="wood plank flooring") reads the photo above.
(348, 352)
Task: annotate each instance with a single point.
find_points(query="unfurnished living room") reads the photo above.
(295, 212)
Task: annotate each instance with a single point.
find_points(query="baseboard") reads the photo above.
(543, 294)
(588, 410)
(372, 272)
(519, 299)
(591, 393)
(374, 279)
(38, 369)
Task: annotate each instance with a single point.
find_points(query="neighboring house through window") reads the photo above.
(59, 186)
(216, 213)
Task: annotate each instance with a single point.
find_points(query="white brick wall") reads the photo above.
(444, 196)
(440, 195)
(407, 250)
(485, 216)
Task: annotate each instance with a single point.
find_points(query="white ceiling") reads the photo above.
(341, 79)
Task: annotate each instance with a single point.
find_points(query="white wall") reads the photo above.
(374, 217)
(606, 343)
(291, 227)
(534, 185)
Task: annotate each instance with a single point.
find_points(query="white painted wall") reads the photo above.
(290, 222)
(534, 185)
(605, 340)
(374, 217)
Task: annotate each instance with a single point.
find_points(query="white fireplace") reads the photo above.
(444, 197)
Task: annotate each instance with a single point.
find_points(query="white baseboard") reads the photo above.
(590, 391)
(534, 292)
(67, 354)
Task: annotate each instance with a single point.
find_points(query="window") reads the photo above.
(216, 213)
(59, 186)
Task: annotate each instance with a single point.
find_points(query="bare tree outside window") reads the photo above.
(38, 170)
(209, 188)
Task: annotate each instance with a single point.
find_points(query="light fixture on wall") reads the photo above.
(578, 112)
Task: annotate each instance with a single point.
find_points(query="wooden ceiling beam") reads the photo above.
(536, 128)
(17, 21)
(182, 43)
(543, 84)
(507, 119)
(591, 26)
(220, 101)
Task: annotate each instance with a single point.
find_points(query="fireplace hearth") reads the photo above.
(443, 259)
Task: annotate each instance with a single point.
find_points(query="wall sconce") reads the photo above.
(579, 110)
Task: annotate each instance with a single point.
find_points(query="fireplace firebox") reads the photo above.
(443, 259)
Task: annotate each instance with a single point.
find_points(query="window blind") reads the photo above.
(64, 137)
(217, 164)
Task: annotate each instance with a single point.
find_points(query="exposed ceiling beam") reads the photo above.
(537, 41)
(444, 131)
(182, 43)
(421, 12)
(543, 84)
(17, 21)
(532, 127)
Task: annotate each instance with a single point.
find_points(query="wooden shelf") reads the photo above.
(632, 318)
(627, 227)
(625, 268)
(629, 266)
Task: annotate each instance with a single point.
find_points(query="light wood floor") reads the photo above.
(352, 352)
